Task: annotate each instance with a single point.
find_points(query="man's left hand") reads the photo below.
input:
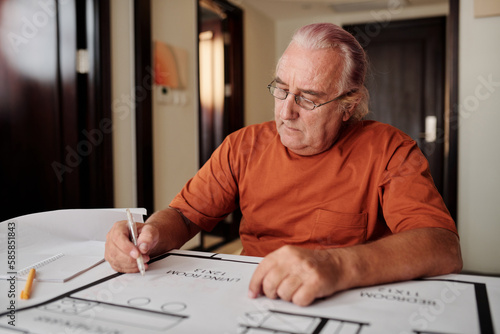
(301, 275)
(298, 275)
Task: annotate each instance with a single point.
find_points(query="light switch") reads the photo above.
(430, 129)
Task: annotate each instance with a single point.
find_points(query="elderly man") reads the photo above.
(330, 201)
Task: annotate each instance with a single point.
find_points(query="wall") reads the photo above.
(122, 76)
(175, 141)
(259, 62)
(379, 17)
(479, 156)
(175, 126)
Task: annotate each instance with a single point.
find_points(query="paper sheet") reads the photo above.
(204, 293)
(77, 234)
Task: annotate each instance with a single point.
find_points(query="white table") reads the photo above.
(193, 292)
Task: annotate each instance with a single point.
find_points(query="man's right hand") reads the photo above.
(164, 230)
(121, 253)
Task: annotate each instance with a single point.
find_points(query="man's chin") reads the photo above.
(291, 144)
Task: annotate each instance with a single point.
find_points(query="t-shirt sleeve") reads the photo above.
(212, 193)
(407, 193)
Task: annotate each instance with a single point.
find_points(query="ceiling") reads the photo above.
(289, 9)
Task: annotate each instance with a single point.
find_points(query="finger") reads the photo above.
(289, 286)
(148, 238)
(119, 237)
(272, 281)
(119, 251)
(313, 287)
(255, 285)
(120, 262)
(304, 295)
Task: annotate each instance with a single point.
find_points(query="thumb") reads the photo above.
(148, 238)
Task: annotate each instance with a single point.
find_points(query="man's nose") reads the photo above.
(288, 108)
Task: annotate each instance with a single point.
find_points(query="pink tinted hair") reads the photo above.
(330, 36)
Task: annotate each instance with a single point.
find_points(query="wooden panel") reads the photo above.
(29, 109)
(406, 83)
(45, 119)
(68, 110)
(143, 113)
(450, 190)
(401, 75)
(96, 127)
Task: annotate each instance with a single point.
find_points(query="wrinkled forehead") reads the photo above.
(300, 66)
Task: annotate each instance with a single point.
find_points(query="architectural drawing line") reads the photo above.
(483, 309)
(320, 326)
(275, 321)
(139, 301)
(82, 314)
(327, 318)
(212, 257)
(427, 332)
(482, 304)
(135, 308)
(66, 294)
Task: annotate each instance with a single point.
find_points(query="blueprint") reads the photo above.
(194, 292)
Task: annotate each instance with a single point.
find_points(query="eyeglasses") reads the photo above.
(302, 102)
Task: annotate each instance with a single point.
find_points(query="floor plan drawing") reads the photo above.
(80, 315)
(191, 292)
(284, 322)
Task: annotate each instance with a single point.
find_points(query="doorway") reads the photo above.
(220, 59)
(407, 84)
(220, 54)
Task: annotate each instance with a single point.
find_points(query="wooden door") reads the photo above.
(406, 81)
(55, 123)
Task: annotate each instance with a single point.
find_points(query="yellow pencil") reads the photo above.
(25, 294)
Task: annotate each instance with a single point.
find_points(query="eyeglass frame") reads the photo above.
(301, 97)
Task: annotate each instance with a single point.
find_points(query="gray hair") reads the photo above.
(330, 36)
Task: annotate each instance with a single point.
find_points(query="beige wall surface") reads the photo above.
(175, 135)
(479, 156)
(259, 64)
(174, 124)
(123, 111)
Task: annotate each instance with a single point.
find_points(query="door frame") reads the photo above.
(96, 185)
(450, 186)
(143, 105)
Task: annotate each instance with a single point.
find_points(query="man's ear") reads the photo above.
(348, 112)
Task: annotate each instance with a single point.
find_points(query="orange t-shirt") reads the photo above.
(372, 182)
